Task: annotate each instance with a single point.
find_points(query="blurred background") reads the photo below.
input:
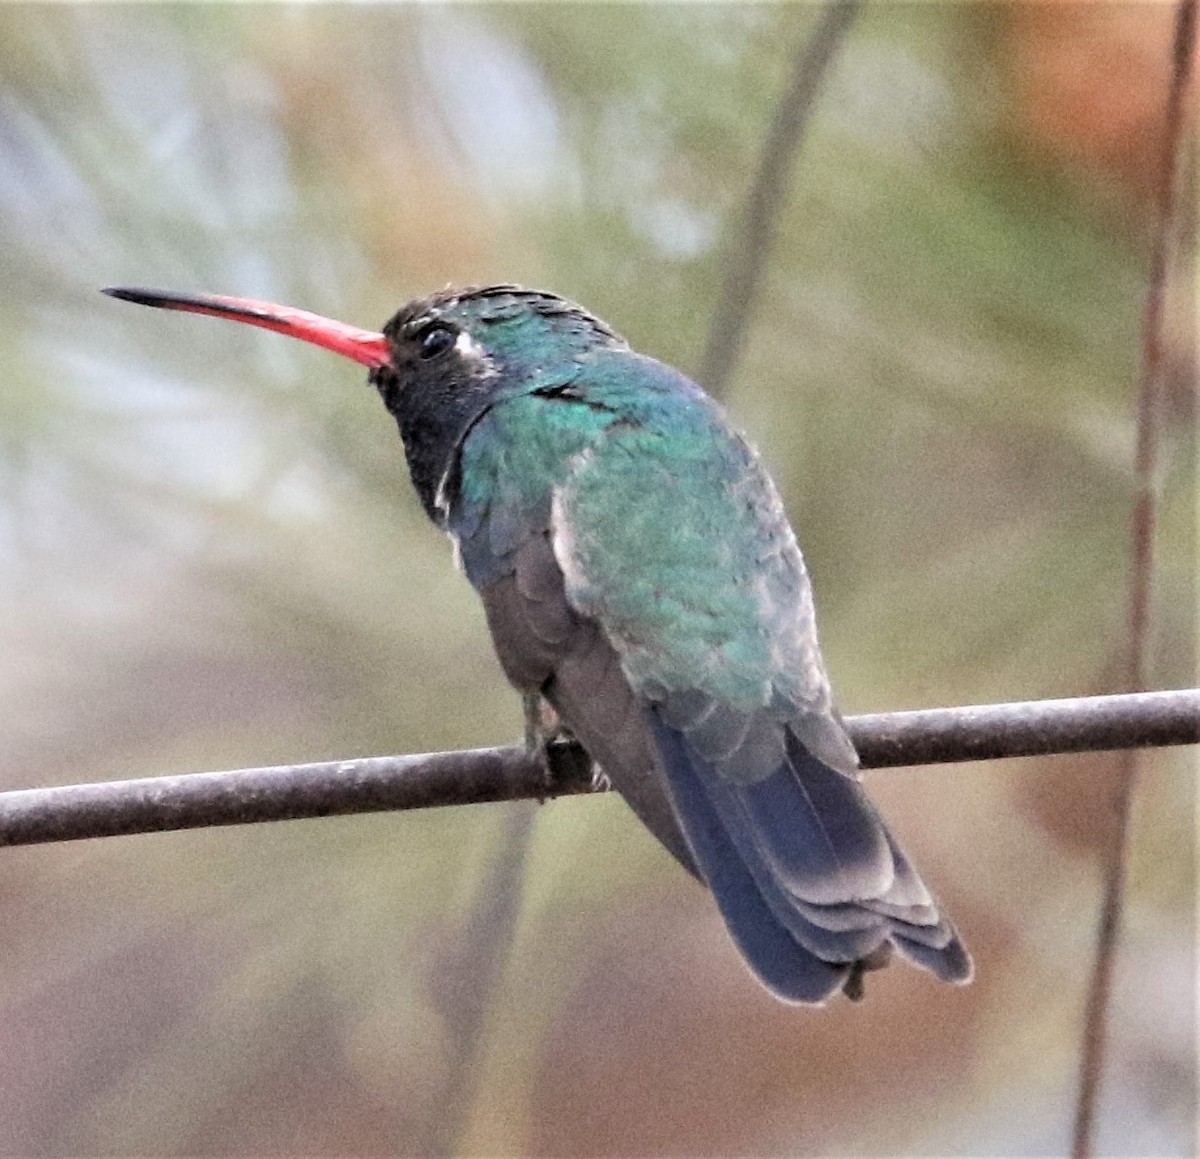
(210, 557)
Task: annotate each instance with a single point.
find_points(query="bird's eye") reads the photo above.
(435, 339)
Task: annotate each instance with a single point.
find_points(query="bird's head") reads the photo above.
(440, 362)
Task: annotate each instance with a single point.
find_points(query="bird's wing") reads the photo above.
(545, 646)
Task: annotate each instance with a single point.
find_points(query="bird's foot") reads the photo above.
(542, 724)
(876, 960)
(551, 743)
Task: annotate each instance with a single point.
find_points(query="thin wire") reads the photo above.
(1141, 582)
(746, 260)
(375, 784)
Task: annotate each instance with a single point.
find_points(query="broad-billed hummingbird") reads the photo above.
(639, 573)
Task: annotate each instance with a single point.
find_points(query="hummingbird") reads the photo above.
(639, 575)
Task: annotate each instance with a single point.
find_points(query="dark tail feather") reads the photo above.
(811, 884)
(785, 967)
(951, 963)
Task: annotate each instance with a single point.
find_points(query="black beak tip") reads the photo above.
(142, 297)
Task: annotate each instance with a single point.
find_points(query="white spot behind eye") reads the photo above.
(470, 351)
(467, 347)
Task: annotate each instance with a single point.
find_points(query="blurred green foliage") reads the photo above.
(210, 557)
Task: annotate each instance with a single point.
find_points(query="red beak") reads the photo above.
(366, 346)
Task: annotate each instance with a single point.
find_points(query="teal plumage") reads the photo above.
(670, 534)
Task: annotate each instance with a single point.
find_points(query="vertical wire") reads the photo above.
(1094, 1050)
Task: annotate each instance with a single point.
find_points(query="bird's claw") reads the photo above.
(553, 746)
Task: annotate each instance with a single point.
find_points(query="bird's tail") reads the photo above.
(812, 886)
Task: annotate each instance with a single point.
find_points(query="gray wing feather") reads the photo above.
(526, 655)
(545, 646)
